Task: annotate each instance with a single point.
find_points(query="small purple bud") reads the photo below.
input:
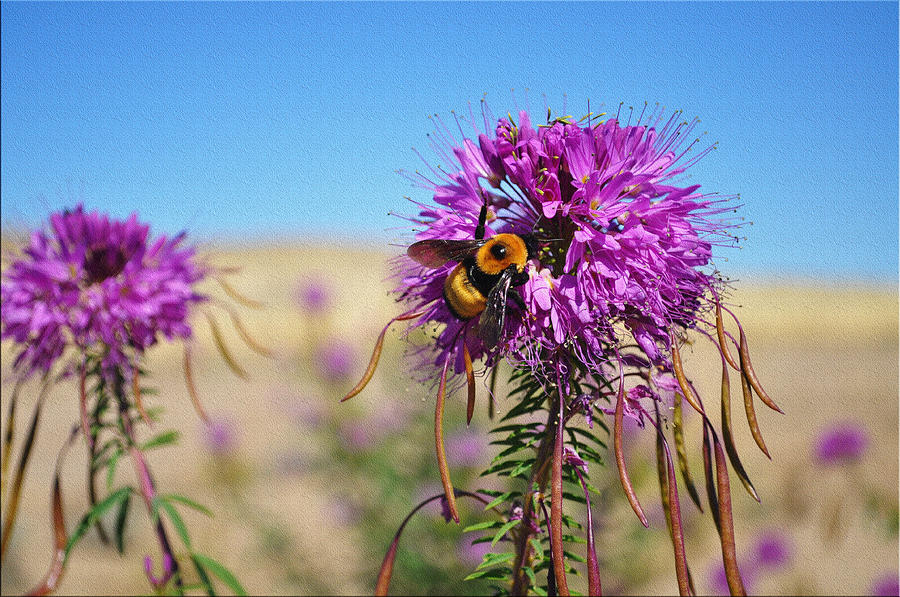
(571, 457)
(168, 570)
(445, 509)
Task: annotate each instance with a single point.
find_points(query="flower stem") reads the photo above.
(539, 472)
(145, 480)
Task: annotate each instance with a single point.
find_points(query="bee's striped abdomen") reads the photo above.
(464, 300)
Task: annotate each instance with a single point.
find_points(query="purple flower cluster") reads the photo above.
(622, 244)
(98, 285)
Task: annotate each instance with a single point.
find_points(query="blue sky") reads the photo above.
(287, 120)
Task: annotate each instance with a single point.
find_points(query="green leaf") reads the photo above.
(204, 577)
(111, 466)
(538, 548)
(159, 502)
(93, 514)
(488, 524)
(500, 499)
(121, 517)
(503, 530)
(521, 468)
(221, 572)
(491, 574)
(163, 439)
(492, 559)
(174, 497)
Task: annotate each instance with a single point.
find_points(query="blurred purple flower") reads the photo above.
(344, 513)
(466, 448)
(337, 359)
(303, 409)
(719, 582)
(357, 435)
(772, 550)
(313, 296)
(472, 554)
(842, 443)
(887, 585)
(96, 284)
(220, 436)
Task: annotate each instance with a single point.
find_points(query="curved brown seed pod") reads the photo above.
(678, 369)
(439, 443)
(720, 333)
(219, 341)
(376, 354)
(192, 389)
(747, 368)
(751, 414)
(620, 457)
(681, 453)
(387, 564)
(470, 383)
(60, 538)
(727, 436)
(726, 523)
(12, 505)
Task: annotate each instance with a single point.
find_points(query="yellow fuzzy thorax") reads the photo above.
(516, 253)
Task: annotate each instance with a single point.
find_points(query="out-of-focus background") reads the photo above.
(307, 492)
(272, 132)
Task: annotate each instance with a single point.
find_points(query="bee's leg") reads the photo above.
(482, 218)
(517, 299)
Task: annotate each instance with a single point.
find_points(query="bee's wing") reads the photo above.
(491, 322)
(435, 252)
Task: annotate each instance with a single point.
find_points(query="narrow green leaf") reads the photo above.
(538, 548)
(503, 530)
(530, 574)
(492, 559)
(187, 502)
(204, 577)
(221, 572)
(111, 467)
(96, 512)
(121, 517)
(521, 469)
(500, 499)
(491, 574)
(163, 439)
(488, 524)
(161, 503)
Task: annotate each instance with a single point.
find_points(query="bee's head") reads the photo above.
(501, 251)
(531, 245)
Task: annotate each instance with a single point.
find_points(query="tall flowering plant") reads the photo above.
(83, 302)
(615, 276)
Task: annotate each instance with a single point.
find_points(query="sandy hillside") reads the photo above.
(825, 353)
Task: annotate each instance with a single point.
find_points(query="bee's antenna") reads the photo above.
(482, 218)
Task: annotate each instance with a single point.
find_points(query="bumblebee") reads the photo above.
(486, 275)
